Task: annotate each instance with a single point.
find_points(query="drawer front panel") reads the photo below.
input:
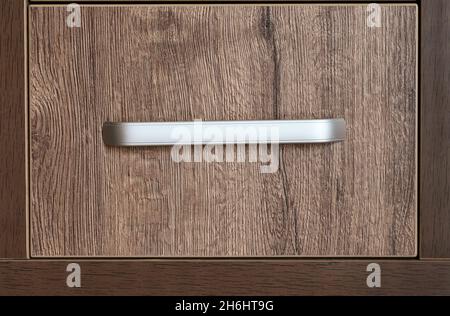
(142, 63)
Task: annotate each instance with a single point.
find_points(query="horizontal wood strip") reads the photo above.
(224, 277)
(213, 1)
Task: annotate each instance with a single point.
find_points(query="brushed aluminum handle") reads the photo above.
(223, 132)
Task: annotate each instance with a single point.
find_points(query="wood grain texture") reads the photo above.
(13, 165)
(435, 131)
(230, 277)
(143, 63)
(212, 1)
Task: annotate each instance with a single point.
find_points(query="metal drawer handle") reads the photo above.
(223, 132)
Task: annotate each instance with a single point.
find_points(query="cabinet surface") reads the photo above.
(253, 62)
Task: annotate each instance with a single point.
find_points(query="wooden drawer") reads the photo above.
(147, 63)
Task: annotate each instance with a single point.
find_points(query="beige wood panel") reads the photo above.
(146, 63)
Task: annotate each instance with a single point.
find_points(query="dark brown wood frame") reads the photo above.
(13, 131)
(20, 275)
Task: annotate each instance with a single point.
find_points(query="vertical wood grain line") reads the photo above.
(27, 126)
